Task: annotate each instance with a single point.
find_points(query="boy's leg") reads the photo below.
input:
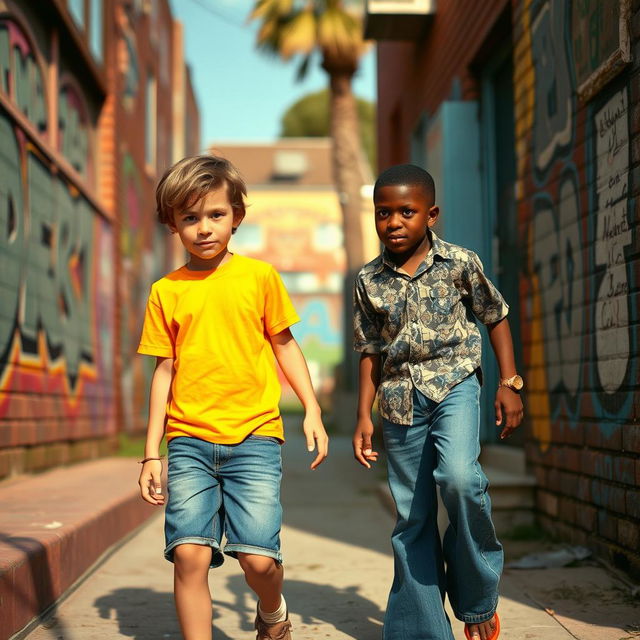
(415, 607)
(251, 494)
(191, 590)
(193, 530)
(265, 576)
(472, 552)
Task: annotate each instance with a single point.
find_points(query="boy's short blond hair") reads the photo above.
(190, 179)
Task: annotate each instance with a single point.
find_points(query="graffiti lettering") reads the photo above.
(74, 136)
(612, 236)
(46, 275)
(17, 62)
(11, 234)
(556, 256)
(553, 127)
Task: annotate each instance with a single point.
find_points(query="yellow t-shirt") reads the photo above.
(216, 325)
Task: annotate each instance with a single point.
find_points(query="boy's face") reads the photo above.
(205, 228)
(403, 213)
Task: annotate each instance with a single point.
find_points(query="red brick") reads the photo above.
(604, 466)
(588, 462)
(607, 525)
(567, 510)
(584, 489)
(629, 534)
(631, 438)
(624, 470)
(632, 498)
(586, 516)
(608, 496)
(569, 458)
(547, 503)
(569, 484)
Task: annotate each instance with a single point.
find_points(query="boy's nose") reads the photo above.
(395, 220)
(204, 228)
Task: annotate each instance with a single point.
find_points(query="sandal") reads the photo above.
(493, 636)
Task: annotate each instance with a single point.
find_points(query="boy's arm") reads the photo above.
(508, 403)
(369, 379)
(294, 367)
(150, 476)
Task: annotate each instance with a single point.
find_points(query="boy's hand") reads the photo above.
(150, 482)
(509, 408)
(362, 448)
(316, 435)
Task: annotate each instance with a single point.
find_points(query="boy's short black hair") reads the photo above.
(409, 174)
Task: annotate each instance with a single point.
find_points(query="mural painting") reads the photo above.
(573, 172)
(54, 247)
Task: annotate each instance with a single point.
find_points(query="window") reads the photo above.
(249, 237)
(327, 236)
(95, 29)
(76, 9)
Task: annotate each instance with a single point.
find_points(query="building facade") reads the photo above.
(294, 222)
(527, 113)
(83, 140)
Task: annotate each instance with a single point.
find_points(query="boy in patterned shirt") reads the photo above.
(415, 311)
(214, 326)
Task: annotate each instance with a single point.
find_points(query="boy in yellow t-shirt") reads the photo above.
(214, 326)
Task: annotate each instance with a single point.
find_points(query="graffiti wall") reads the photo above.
(57, 296)
(576, 207)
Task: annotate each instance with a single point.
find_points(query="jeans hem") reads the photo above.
(232, 550)
(216, 555)
(476, 618)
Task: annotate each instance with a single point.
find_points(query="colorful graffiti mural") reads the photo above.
(55, 249)
(574, 203)
(53, 246)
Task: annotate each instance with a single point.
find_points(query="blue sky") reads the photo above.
(242, 93)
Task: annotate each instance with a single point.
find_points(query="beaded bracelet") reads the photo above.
(147, 459)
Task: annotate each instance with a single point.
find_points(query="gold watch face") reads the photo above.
(517, 382)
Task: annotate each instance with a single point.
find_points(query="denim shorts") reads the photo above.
(230, 490)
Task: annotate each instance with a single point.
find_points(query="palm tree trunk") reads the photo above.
(347, 163)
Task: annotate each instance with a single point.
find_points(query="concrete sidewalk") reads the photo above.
(338, 572)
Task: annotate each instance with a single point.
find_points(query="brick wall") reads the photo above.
(577, 192)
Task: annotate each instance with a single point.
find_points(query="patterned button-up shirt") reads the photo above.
(423, 326)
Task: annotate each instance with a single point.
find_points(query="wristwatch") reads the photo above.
(515, 383)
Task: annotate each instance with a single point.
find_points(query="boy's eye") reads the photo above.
(382, 213)
(407, 213)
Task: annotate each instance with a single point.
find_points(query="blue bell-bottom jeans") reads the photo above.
(440, 449)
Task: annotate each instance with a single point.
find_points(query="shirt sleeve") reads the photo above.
(366, 334)
(279, 312)
(156, 339)
(486, 301)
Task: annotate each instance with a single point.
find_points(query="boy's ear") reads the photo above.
(434, 212)
(238, 217)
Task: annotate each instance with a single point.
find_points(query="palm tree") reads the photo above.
(292, 27)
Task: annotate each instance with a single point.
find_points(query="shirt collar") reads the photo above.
(438, 248)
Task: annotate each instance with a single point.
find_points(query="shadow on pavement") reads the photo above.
(144, 614)
(345, 609)
(339, 499)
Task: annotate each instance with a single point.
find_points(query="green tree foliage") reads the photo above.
(310, 117)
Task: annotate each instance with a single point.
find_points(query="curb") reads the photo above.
(55, 526)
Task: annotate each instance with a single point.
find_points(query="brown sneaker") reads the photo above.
(277, 631)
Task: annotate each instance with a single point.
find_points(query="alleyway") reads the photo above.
(338, 571)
